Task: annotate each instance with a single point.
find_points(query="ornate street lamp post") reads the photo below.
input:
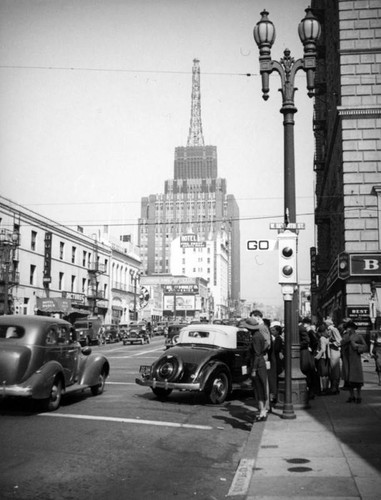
(264, 34)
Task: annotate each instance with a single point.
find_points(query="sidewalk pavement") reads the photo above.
(330, 451)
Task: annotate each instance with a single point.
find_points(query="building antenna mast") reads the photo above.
(195, 137)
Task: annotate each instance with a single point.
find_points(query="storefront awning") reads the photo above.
(59, 305)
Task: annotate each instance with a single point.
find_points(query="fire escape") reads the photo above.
(94, 294)
(9, 276)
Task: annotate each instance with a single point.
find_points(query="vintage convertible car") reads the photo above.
(41, 359)
(212, 359)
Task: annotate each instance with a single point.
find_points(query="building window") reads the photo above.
(73, 253)
(33, 240)
(60, 281)
(32, 274)
(62, 248)
(72, 285)
(83, 285)
(106, 265)
(84, 258)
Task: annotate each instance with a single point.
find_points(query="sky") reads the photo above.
(95, 95)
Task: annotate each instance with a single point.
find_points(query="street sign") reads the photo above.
(262, 245)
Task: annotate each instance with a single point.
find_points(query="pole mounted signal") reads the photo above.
(287, 246)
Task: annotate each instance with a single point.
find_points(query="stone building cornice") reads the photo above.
(359, 110)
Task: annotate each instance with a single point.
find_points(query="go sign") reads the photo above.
(261, 245)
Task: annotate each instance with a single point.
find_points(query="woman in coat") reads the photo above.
(323, 358)
(258, 367)
(352, 346)
(375, 351)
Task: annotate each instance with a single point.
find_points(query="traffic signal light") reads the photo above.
(343, 265)
(287, 257)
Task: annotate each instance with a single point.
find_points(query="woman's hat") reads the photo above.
(349, 323)
(275, 323)
(250, 324)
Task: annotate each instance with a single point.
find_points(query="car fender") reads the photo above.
(209, 369)
(90, 368)
(42, 379)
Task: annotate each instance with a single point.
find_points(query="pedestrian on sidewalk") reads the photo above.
(307, 360)
(323, 359)
(375, 351)
(264, 330)
(258, 367)
(352, 346)
(334, 355)
(276, 356)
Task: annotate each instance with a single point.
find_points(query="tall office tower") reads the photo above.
(194, 203)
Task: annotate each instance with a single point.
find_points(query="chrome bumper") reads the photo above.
(15, 390)
(168, 385)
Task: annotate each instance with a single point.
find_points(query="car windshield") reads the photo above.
(11, 332)
(81, 325)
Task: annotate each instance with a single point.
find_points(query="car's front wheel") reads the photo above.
(161, 393)
(217, 388)
(53, 402)
(100, 386)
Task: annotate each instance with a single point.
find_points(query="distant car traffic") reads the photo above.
(172, 336)
(160, 329)
(88, 331)
(41, 359)
(136, 333)
(111, 334)
(212, 359)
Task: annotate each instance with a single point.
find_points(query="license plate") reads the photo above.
(145, 370)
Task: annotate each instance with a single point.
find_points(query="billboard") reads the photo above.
(183, 302)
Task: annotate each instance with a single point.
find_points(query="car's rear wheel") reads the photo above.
(99, 388)
(218, 387)
(161, 393)
(53, 402)
(167, 368)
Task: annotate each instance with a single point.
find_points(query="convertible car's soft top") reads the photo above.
(217, 335)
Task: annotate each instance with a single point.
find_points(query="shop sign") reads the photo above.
(191, 241)
(365, 264)
(172, 289)
(47, 258)
(360, 315)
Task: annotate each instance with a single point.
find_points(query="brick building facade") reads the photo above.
(347, 125)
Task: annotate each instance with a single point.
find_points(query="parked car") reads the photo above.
(136, 334)
(211, 359)
(41, 359)
(173, 334)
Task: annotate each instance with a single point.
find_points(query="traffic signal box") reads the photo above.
(343, 265)
(287, 242)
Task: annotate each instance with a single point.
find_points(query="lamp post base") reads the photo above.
(299, 391)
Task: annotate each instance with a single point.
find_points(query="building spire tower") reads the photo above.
(194, 207)
(195, 136)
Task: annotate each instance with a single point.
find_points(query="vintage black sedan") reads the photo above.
(136, 333)
(173, 334)
(211, 359)
(41, 359)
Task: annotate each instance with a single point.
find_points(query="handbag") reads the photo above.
(361, 348)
